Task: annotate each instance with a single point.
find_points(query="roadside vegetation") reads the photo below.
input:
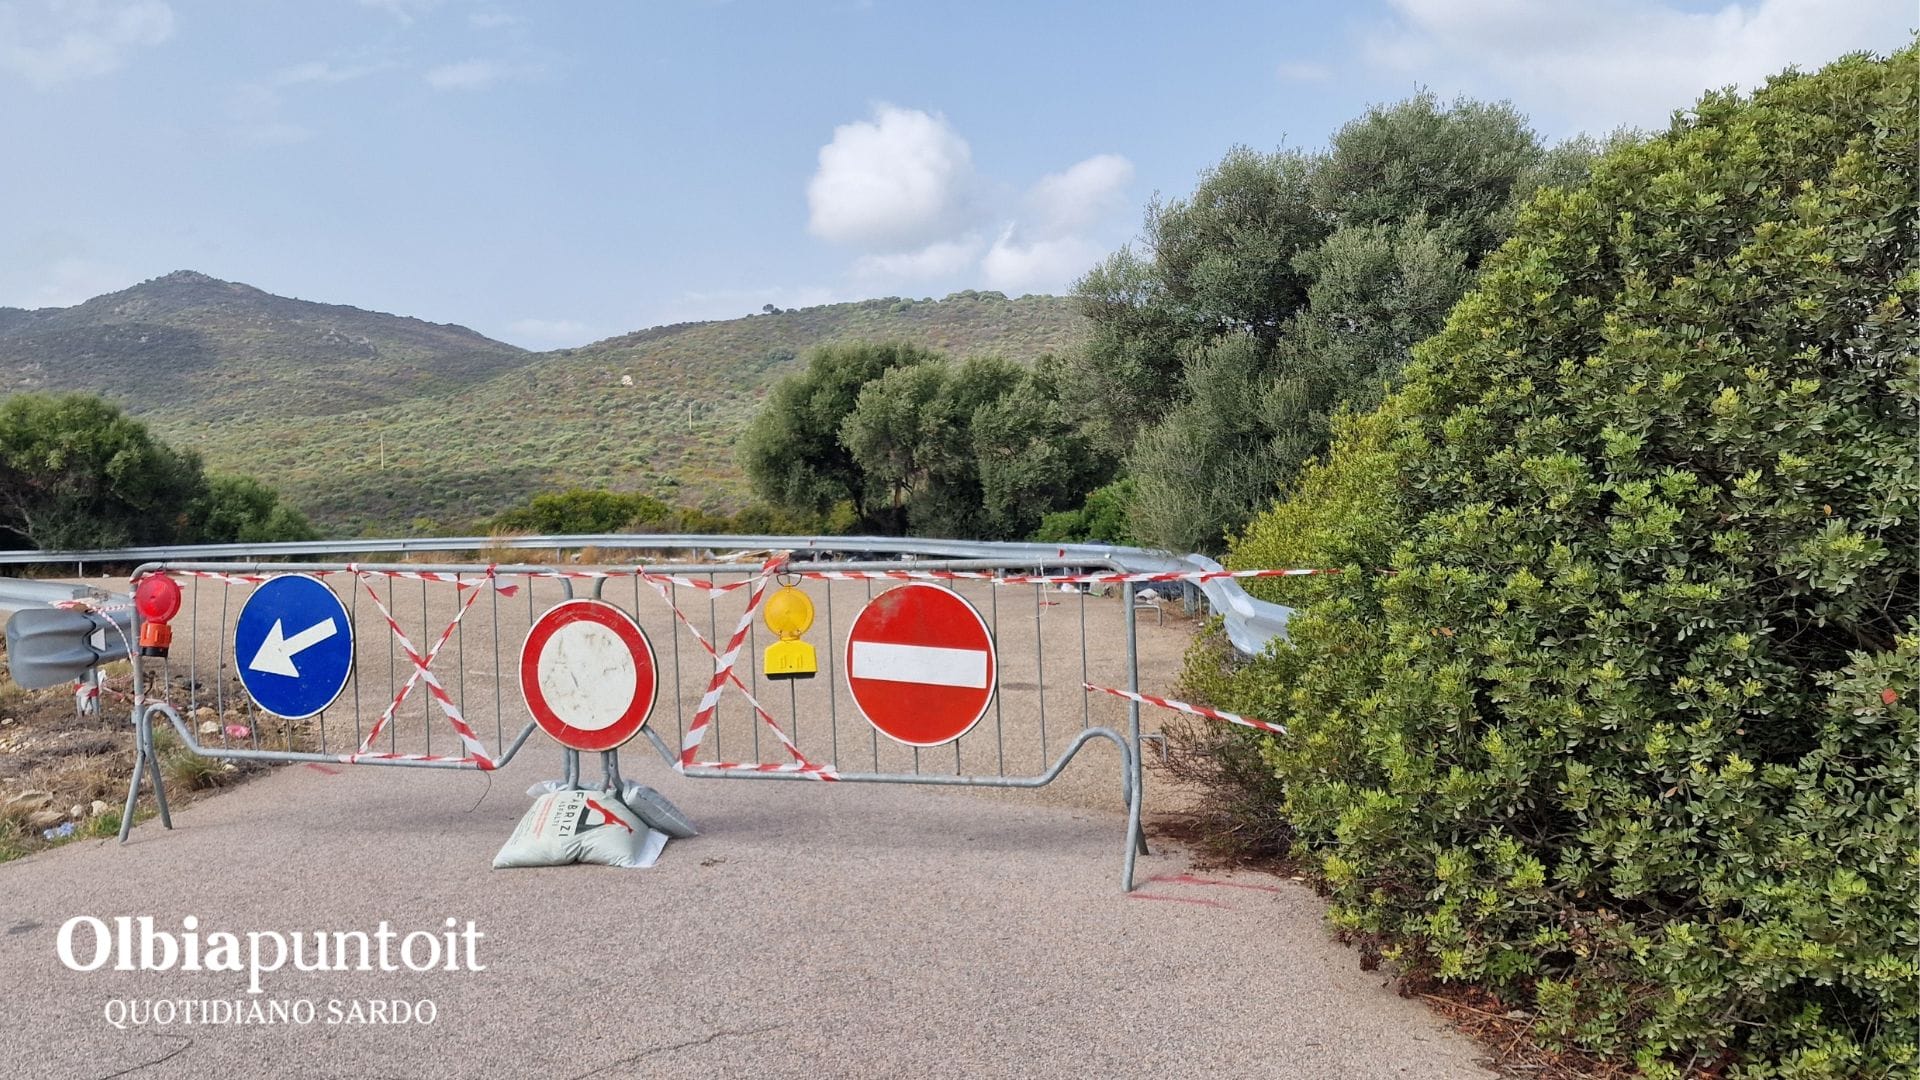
(64, 773)
(75, 472)
(1613, 714)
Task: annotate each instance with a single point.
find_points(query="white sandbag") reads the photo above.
(580, 826)
(653, 808)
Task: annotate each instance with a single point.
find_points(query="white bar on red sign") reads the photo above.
(925, 664)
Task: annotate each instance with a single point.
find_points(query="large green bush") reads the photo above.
(77, 472)
(1628, 732)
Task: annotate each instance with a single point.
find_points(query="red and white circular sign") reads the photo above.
(921, 664)
(588, 675)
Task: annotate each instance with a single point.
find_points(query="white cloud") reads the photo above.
(549, 333)
(1085, 195)
(466, 75)
(1604, 63)
(897, 182)
(901, 190)
(56, 41)
(1052, 241)
(1014, 266)
(940, 259)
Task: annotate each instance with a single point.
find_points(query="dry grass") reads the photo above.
(58, 767)
(1235, 816)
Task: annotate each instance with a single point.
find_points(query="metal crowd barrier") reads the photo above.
(1052, 639)
(434, 679)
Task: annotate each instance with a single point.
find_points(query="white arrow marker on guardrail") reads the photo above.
(277, 651)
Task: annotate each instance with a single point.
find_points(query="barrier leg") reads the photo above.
(133, 787)
(153, 770)
(145, 761)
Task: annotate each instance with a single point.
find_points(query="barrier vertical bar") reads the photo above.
(679, 700)
(497, 679)
(999, 726)
(1040, 668)
(833, 707)
(1136, 835)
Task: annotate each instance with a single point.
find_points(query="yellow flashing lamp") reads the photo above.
(789, 613)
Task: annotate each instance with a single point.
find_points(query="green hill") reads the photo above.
(221, 350)
(376, 423)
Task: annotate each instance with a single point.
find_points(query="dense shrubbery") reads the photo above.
(1628, 734)
(75, 472)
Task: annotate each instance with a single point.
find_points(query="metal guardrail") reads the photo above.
(1251, 624)
(18, 593)
(1051, 639)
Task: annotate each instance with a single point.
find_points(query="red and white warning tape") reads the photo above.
(492, 581)
(422, 672)
(1196, 710)
(800, 762)
(722, 674)
(1198, 577)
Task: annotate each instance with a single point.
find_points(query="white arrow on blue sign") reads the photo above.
(293, 646)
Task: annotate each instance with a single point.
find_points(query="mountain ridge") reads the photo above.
(375, 422)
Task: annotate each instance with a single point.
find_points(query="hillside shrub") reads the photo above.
(1627, 733)
(76, 472)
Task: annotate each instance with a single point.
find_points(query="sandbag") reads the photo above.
(653, 808)
(565, 827)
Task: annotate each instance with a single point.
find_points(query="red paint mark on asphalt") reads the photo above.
(1201, 900)
(1189, 879)
(328, 769)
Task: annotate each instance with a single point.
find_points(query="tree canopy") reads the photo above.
(792, 451)
(76, 472)
(1286, 286)
(979, 448)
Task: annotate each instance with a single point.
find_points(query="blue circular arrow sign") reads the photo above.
(293, 646)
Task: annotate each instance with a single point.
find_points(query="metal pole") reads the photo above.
(153, 770)
(133, 783)
(1136, 836)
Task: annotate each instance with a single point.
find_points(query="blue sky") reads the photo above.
(553, 174)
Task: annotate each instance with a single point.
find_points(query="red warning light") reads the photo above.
(158, 598)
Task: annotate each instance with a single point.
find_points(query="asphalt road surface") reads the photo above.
(810, 930)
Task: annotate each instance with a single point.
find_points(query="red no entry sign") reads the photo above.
(920, 664)
(588, 675)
